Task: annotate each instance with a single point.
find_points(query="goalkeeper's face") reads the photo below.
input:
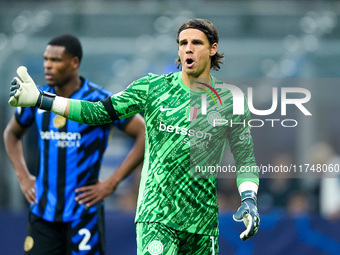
(59, 66)
(195, 52)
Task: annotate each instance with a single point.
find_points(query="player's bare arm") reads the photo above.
(93, 193)
(13, 143)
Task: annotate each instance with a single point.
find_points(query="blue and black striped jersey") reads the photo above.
(70, 155)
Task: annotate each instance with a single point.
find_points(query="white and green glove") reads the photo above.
(248, 213)
(25, 93)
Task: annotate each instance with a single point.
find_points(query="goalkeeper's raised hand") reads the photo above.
(25, 93)
(248, 213)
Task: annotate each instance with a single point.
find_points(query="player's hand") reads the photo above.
(89, 195)
(27, 186)
(23, 93)
(248, 213)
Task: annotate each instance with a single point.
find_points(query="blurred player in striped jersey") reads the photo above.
(70, 160)
(177, 210)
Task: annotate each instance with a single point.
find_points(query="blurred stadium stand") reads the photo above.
(294, 43)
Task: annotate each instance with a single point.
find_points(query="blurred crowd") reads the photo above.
(313, 193)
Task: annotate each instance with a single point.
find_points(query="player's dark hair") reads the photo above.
(211, 33)
(71, 43)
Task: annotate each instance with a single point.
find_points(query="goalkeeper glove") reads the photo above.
(248, 213)
(27, 94)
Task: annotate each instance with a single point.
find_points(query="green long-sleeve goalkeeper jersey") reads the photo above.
(180, 138)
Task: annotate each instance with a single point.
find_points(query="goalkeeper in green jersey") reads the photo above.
(177, 210)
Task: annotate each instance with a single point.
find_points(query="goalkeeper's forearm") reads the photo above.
(61, 106)
(85, 112)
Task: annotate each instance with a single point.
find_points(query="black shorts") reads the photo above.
(85, 235)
